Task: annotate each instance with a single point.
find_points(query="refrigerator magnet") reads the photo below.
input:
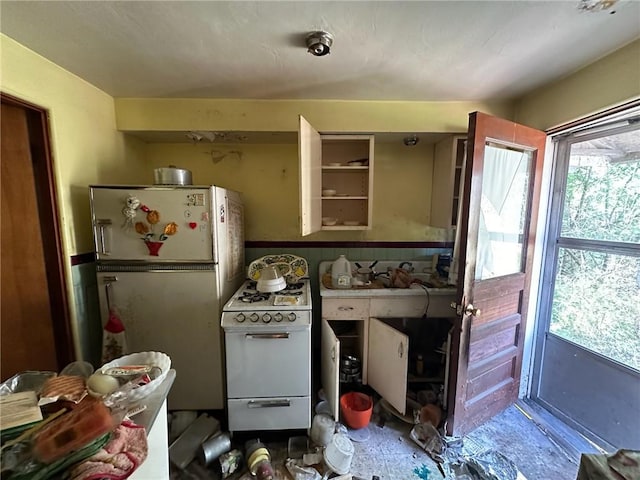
(221, 213)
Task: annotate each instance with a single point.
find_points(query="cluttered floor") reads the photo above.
(385, 449)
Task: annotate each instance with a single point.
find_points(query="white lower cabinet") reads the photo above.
(349, 328)
(388, 363)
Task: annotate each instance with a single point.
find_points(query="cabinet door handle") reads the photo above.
(269, 403)
(333, 353)
(345, 309)
(401, 349)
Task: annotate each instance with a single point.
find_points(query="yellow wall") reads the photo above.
(267, 176)
(158, 114)
(611, 81)
(86, 146)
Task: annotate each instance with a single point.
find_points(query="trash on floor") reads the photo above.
(459, 461)
(422, 472)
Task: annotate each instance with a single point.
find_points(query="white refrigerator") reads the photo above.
(168, 258)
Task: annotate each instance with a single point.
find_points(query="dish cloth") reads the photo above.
(119, 458)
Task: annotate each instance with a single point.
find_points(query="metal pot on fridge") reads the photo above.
(172, 175)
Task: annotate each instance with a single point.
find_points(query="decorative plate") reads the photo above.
(293, 268)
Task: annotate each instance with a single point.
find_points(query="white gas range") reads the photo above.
(268, 352)
(249, 308)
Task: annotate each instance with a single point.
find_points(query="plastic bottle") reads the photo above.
(341, 273)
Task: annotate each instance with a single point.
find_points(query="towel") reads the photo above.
(119, 458)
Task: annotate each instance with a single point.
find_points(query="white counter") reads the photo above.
(435, 300)
(154, 419)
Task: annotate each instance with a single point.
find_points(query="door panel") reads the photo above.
(27, 325)
(571, 393)
(499, 212)
(330, 372)
(387, 363)
(175, 312)
(310, 153)
(116, 237)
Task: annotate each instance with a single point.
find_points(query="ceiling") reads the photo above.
(402, 50)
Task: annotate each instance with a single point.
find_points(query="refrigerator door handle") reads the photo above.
(107, 289)
(102, 223)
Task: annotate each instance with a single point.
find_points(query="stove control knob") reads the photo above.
(291, 317)
(278, 317)
(266, 318)
(254, 317)
(240, 317)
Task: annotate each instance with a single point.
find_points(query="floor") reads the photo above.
(385, 449)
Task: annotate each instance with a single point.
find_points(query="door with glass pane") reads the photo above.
(588, 352)
(498, 220)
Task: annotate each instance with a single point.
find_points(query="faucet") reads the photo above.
(410, 269)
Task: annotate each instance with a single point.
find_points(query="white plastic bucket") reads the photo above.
(339, 453)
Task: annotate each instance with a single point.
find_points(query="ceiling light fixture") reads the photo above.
(411, 140)
(319, 43)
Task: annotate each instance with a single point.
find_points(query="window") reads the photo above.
(595, 299)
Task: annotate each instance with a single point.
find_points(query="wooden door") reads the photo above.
(500, 209)
(34, 331)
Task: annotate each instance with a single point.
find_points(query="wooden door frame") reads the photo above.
(46, 192)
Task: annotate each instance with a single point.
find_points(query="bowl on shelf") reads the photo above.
(361, 162)
(335, 164)
(329, 221)
(328, 192)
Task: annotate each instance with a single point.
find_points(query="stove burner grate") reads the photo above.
(293, 286)
(252, 297)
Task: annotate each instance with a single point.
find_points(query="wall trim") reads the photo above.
(82, 258)
(343, 244)
(89, 257)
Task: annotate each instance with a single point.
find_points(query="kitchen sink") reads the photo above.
(417, 278)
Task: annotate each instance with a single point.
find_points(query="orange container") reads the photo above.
(356, 409)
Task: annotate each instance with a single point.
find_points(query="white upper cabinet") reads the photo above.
(336, 180)
(448, 179)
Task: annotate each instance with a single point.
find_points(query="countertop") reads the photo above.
(154, 402)
(420, 268)
(154, 419)
(414, 291)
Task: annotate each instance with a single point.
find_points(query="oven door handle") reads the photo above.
(269, 403)
(267, 335)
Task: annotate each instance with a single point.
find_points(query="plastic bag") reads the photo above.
(299, 472)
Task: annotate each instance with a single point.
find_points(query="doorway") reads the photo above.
(35, 329)
(587, 367)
